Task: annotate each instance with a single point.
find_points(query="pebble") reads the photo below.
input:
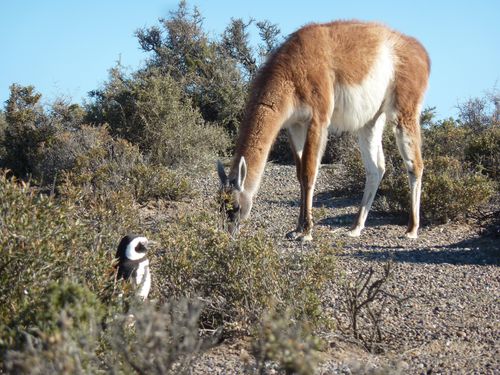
(450, 279)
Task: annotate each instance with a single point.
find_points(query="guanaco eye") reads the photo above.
(233, 213)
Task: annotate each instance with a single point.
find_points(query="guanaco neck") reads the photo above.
(265, 116)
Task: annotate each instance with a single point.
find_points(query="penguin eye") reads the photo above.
(140, 248)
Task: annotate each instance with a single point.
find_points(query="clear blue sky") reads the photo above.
(65, 47)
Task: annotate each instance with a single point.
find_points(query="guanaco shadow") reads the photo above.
(483, 250)
(338, 200)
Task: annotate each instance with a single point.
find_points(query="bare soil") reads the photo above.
(450, 322)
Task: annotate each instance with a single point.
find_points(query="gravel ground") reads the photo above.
(449, 325)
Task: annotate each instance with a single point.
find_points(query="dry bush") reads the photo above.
(91, 159)
(286, 342)
(240, 279)
(153, 340)
(363, 304)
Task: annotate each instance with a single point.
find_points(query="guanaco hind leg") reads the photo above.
(370, 142)
(408, 141)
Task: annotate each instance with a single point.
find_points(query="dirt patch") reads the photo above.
(450, 323)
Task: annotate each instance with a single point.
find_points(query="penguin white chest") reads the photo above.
(143, 278)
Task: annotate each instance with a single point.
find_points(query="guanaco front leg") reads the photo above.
(311, 158)
(297, 137)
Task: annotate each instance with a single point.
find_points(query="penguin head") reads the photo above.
(132, 247)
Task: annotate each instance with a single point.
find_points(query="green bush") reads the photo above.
(445, 138)
(451, 190)
(55, 354)
(213, 72)
(60, 153)
(240, 279)
(43, 315)
(281, 151)
(26, 128)
(45, 239)
(157, 182)
(39, 240)
(21, 143)
(484, 151)
(151, 110)
(337, 147)
(91, 159)
(3, 127)
(147, 339)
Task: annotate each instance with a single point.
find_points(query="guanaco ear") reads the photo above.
(242, 174)
(221, 172)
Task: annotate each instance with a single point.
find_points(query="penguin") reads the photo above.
(133, 264)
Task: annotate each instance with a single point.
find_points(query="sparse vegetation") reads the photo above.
(366, 298)
(239, 280)
(291, 345)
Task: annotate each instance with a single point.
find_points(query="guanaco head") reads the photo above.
(235, 202)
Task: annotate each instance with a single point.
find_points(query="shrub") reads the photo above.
(47, 312)
(45, 239)
(451, 190)
(151, 111)
(161, 340)
(239, 279)
(55, 354)
(483, 151)
(3, 127)
(338, 146)
(21, 142)
(157, 182)
(66, 115)
(364, 302)
(26, 128)
(60, 153)
(153, 340)
(39, 238)
(445, 138)
(290, 344)
(91, 159)
(281, 151)
(212, 73)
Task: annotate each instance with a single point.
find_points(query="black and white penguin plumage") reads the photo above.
(133, 264)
